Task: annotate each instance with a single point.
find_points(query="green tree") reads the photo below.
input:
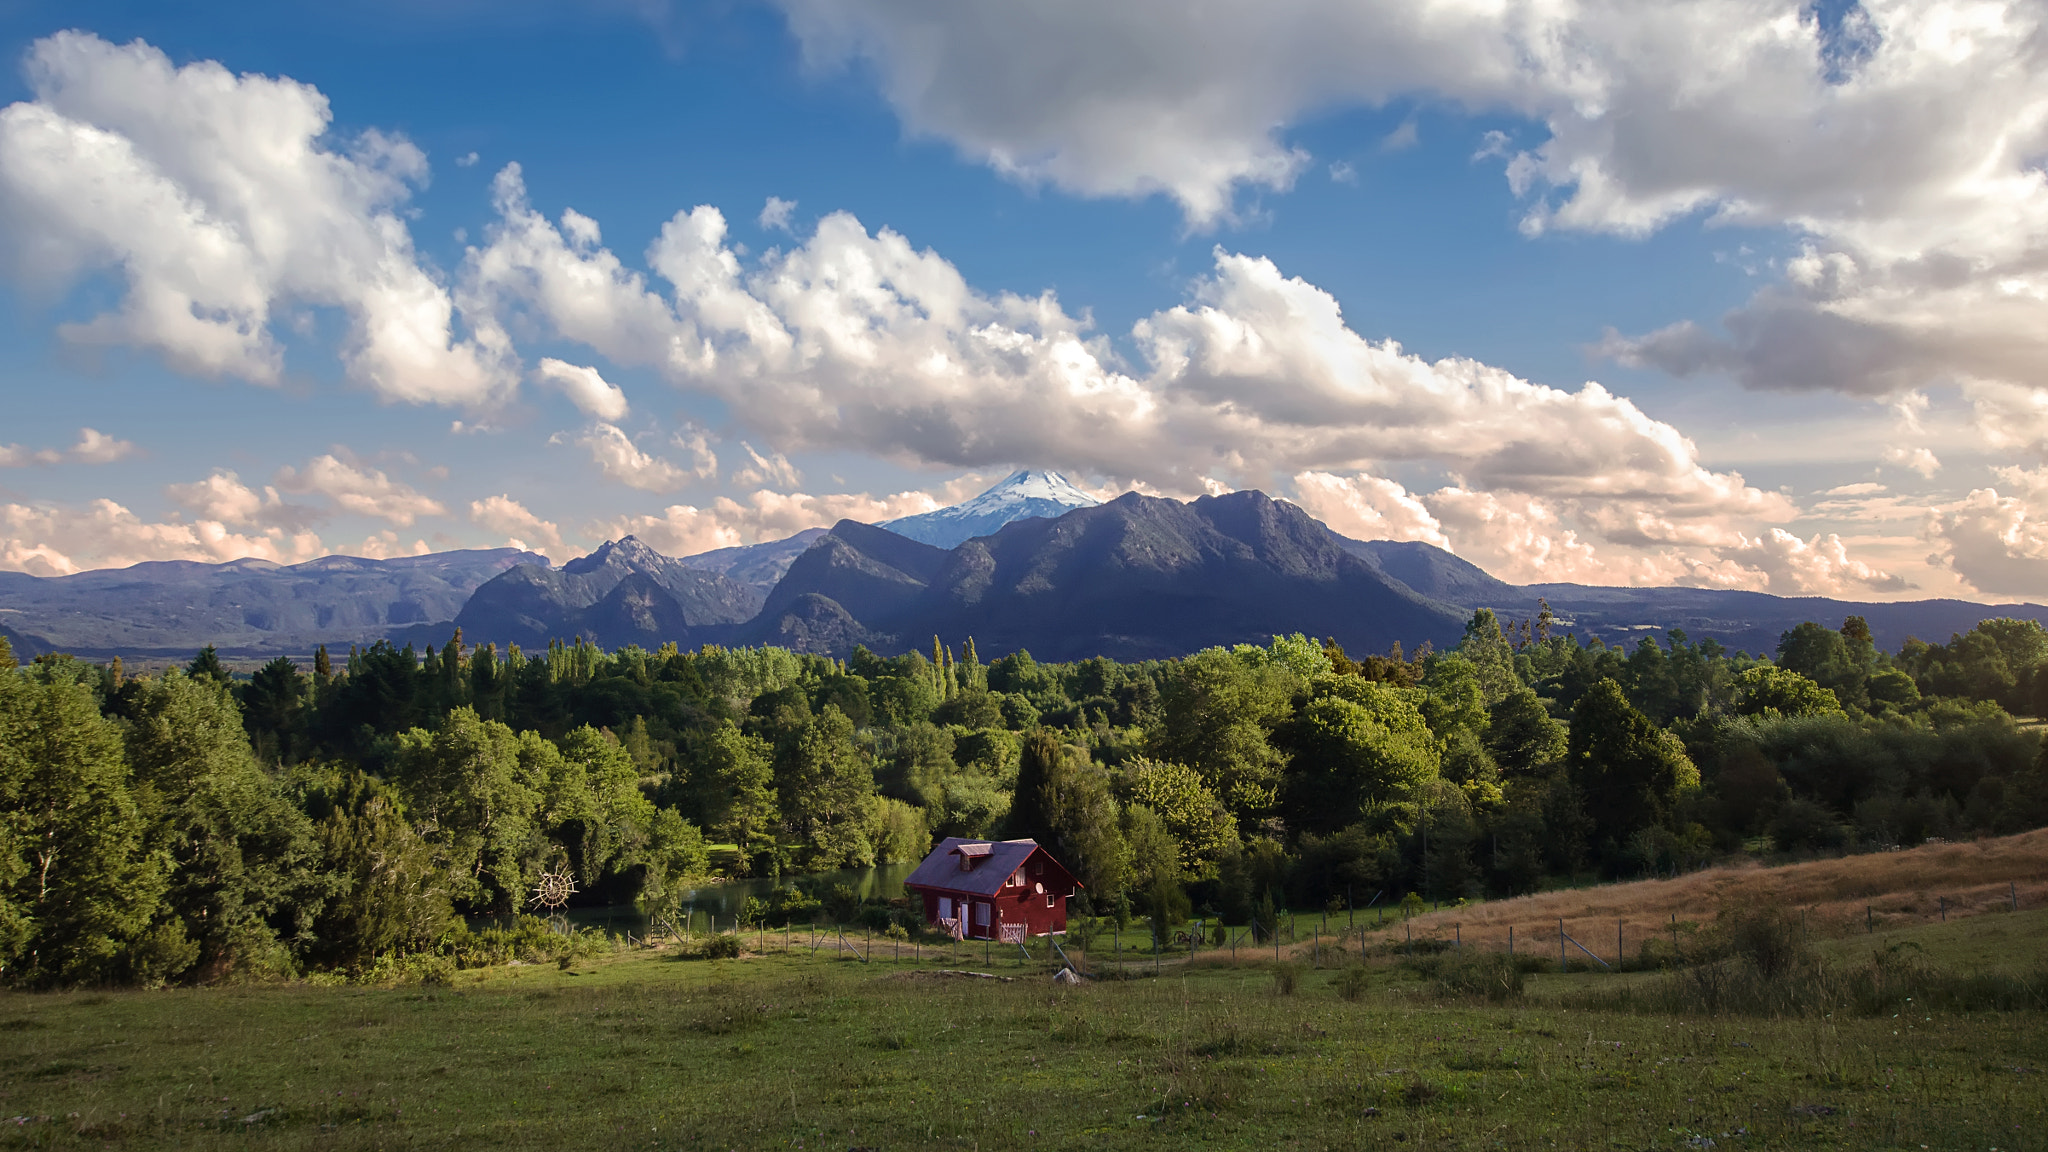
(79, 887)
(207, 665)
(1064, 802)
(1769, 690)
(1201, 827)
(391, 896)
(1628, 772)
(246, 877)
(1355, 753)
(477, 787)
(1456, 698)
(1491, 656)
(1522, 737)
(824, 782)
(274, 710)
(739, 772)
(1219, 713)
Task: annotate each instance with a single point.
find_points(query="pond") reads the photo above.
(724, 899)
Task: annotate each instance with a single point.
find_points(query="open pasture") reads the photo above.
(802, 1050)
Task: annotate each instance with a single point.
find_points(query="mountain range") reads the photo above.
(1032, 563)
(248, 609)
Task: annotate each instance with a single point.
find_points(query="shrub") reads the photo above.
(1473, 975)
(1351, 983)
(724, 946)
(1286, 978)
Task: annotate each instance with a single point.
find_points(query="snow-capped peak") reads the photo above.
(1028, 484)
(1026, 493)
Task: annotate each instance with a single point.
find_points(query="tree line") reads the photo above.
(197, 826)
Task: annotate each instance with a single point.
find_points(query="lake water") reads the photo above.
(724, 899)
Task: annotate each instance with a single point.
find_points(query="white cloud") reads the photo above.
(1899, 139)
(93, 447)
(1367, 508)
(386, 545)
(776, 213)
(1999, 544)
(363, 491)
(522, 527)
(15, 456)
(856, 341)
(1528, 540)
(1918, 460)
(223, 497)
(774, 468)
(617, 457)
(685, 530)
(55, 540)
(220, 199)
(466, 160)
(585, 388)
(96, 447)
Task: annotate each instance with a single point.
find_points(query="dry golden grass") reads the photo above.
(1898, 888)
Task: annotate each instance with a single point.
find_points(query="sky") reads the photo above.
(1725, 293)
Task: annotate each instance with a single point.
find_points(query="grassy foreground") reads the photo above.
(640, 1050)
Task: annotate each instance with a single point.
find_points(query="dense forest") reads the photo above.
(198, 826)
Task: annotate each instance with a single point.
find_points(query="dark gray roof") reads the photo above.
(941, 869)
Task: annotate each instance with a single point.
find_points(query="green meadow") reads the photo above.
(643, 1048)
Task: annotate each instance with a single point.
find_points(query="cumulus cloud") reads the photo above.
(774, 468)
(1367, 508)
(852, 340)
(1999, 544)
(223, 497)
(387, 545)
(584, 387)
(93, 447)
(776, 213)
(522, 527)
(685, 529)
(221, 200)
(1919, 460)
(56, 540)
(1899, 139)
(1530, 540)
(363, 491)
(620, 459)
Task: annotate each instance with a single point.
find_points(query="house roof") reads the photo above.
(994, 861)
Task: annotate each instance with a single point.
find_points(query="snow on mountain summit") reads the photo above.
(1027, 493)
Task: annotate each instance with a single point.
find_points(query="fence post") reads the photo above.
(1563, 966)
(1511, 941)
(1619, 952)
(1869, 924)
(2012, 888)
(1944, 908)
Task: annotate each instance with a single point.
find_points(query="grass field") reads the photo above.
(1894, 889)
(804, 1050)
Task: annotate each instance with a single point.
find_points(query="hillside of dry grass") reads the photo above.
(1898, 889)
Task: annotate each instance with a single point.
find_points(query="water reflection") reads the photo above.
(724, 899)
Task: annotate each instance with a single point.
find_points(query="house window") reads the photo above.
(1050, 900)
(980, 915)
(1016, 879)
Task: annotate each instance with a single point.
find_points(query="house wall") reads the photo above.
(1019, 905)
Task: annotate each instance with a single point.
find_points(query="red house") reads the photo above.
(993, 889)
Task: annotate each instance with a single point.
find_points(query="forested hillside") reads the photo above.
(195, 827)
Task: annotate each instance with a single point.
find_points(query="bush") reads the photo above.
(1286, 978)
(724, 946)
(1351, 983)
(1494, 977)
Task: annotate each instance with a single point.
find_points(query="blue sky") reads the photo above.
(1811, 313)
